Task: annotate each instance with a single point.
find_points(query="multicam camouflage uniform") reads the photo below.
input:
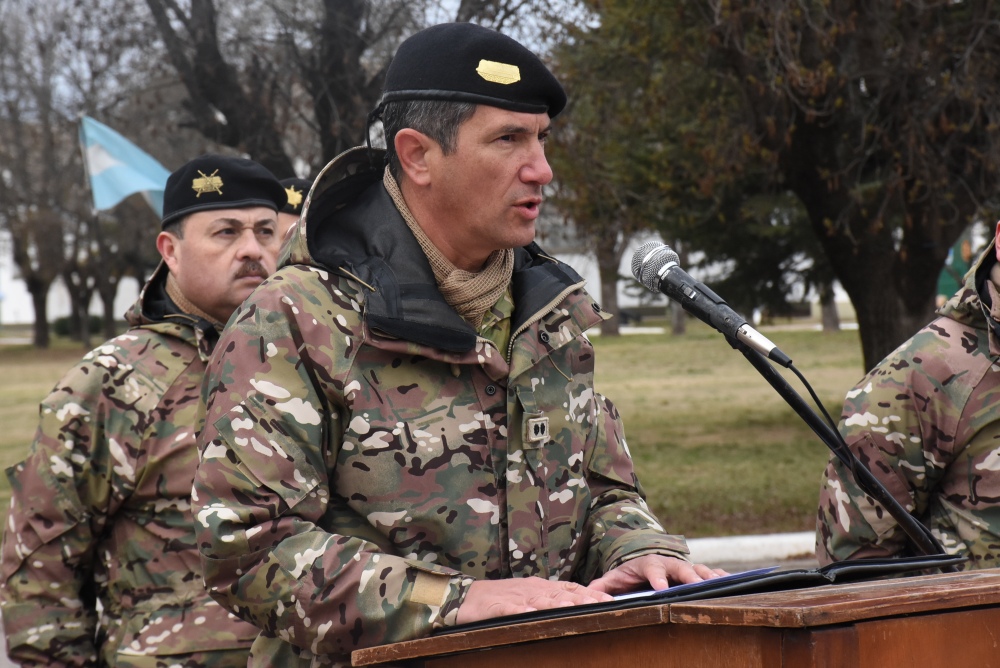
(926, 422)
(366, 455)
(101, 510)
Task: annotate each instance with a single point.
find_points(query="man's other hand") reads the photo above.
(653, 571)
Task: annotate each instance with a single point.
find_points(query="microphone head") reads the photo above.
(649, 259)
(640, 256)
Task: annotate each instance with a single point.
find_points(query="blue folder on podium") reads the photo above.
(747, 582)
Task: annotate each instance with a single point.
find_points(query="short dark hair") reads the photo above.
(437, 119)
(176, 226)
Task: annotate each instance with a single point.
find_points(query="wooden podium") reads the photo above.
(933, 621)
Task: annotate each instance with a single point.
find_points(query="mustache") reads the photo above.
(251, 268)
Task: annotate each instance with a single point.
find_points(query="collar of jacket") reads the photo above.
(353, 228)
(982, 282)
(155, 311)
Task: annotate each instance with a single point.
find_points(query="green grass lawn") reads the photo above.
(717, 450)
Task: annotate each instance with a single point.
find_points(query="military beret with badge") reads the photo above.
(296, 189)
(465, 62)
(215, 181)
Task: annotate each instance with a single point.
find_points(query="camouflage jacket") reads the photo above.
(925, 422)
(101, 506)
(366, 455)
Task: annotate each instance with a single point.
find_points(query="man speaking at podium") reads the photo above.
(402, 430)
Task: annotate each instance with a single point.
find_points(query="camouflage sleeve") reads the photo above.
(622, 527)
(262, 491)
(901, 424)
(62, 494)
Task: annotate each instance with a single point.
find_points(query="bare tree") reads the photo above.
(881, 117)
(38, 177)
(302, 72)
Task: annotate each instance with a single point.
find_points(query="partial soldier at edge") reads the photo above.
(925, 422)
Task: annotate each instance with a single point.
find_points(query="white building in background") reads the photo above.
(16, 308)
(15, 300)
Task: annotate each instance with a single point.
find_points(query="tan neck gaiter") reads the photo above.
(471, 294)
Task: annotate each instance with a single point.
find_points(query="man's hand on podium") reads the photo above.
(653, 571)
(497, 598)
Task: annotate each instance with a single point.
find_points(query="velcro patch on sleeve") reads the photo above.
(430, 588)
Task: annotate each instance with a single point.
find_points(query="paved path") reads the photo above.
(744, 553)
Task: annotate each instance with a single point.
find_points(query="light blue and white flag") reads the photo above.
(117, 167)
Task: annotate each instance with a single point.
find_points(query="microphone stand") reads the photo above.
(920, 535)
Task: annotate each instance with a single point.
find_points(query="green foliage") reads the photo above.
(881, 118)
(64, 326)
(628, 145)
(652, 141)
(873, 125)
(717, 451)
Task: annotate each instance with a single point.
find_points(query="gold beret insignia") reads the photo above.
(500, 73)
(294, 197)
(207, 183)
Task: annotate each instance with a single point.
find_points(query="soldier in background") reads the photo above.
(952, 275)
(402, 429)
(925, 422)
(99, 564)
(296, 189)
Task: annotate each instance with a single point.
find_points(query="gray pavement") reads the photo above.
(744, 553)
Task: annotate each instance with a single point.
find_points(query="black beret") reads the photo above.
(296, 189)
(220, 182)
(465, 62)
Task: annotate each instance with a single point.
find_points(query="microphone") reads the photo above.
(657, 267)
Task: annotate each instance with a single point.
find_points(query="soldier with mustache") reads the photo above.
(99, 565)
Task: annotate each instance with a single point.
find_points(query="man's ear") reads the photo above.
(996, 238)
(169, 246)
(414, 150)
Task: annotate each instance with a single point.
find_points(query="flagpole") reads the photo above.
(83, 156)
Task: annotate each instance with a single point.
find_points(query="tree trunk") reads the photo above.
(213, 85)
(40, 301)
(884, 323)
(608, 259)
(110, 330)
(828, 307)
(678, 319)
(80, 293)
(891, 282)
(85, 320)
(893, 299)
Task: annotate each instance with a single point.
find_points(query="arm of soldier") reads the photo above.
(277, 548)
(893, 428)
(61, 496)
(621, 526)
